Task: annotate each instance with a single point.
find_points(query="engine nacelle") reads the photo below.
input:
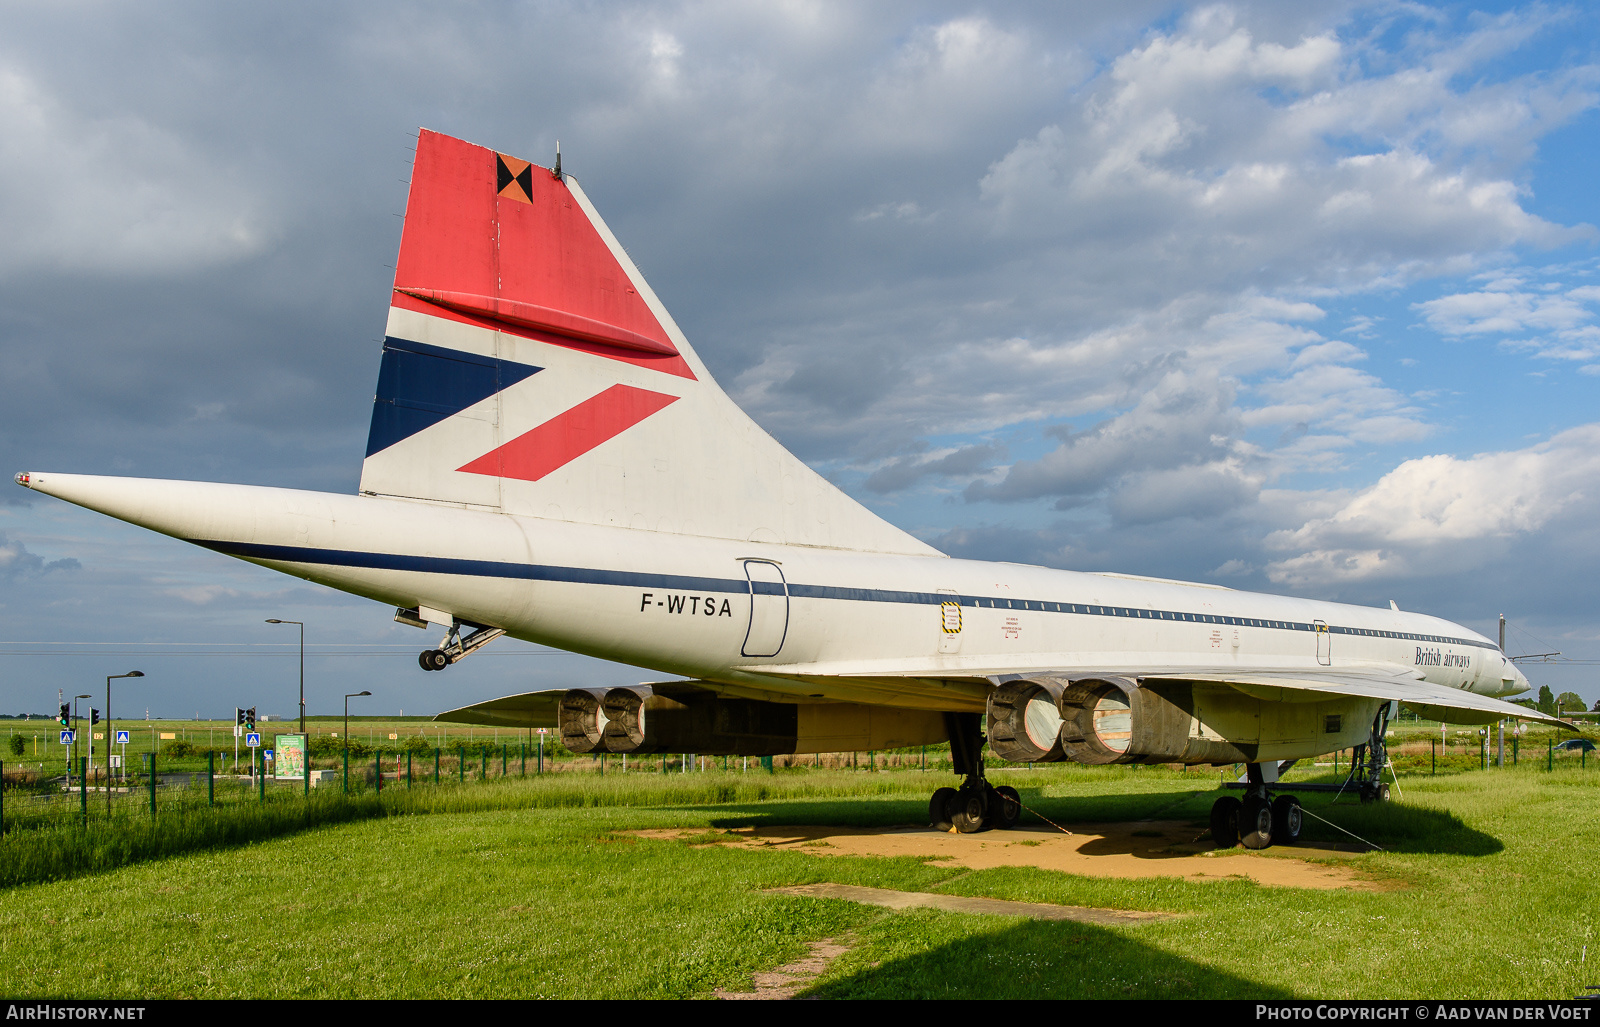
(580, 721)
(642, 720)
(1115, 720)
(1025, 722)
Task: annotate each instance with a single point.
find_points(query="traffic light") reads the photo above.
(94, 716)
(250, 719)
(66, 714)
(238, 716)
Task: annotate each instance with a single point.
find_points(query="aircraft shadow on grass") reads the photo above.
(1045, 959)
(1395, 826)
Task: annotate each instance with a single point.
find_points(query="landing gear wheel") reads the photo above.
(939, 809)
(1005, 806)
(1286, 820)
(433, 659)
(1255, 823)
(1375, 793)
(967, 812)
(1225, 822)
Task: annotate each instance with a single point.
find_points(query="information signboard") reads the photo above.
(291, 761)
(252, 739)
(122, 738)
(68, 736)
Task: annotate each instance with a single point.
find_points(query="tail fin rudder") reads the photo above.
(530, 369)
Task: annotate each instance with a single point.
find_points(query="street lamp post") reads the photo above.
(274, 620)
(346, 738)
(110, 733)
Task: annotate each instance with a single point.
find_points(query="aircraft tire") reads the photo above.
(1006, 807)
(939, 809)
(434, 659)
(1286, 820)
(966, 812)
(1225, 822)
(1255, 823)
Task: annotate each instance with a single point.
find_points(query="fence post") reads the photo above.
(347, 766)
(437, 752)
(483, 763)
(522, 748)
(3, 794)
(538, 768)
(377, 771)
(502, 759)
(1550, 757)
(83, 787)
(1433, 758)
(461, 763)
(408, 768)
(211, 777)
(261, 782)
(152, 784)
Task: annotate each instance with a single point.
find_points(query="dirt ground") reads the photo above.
(1129, 850)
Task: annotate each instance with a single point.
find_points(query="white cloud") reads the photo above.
(112, 194)
(1442, 507)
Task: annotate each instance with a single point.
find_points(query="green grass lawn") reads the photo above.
(534, 889)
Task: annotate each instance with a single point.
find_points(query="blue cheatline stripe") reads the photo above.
(475, 568)
(740, 586)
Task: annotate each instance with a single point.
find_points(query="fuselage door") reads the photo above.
(769, 609)
(1324, 651)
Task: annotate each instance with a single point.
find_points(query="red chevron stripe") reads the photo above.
(567, 436)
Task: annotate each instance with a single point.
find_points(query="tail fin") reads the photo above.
(530, 369)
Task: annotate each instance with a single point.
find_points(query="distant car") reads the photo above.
(1577, 745)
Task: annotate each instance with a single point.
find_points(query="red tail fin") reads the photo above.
(493, 240)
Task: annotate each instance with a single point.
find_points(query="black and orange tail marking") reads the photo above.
(514, 178)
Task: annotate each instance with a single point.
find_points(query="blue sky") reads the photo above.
(1301, 298)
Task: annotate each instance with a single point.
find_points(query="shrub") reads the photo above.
(419, 744)
(19, 745)
(180, 748)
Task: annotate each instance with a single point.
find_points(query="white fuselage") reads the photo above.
(839, 626)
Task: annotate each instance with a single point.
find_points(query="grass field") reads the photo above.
(537, 889)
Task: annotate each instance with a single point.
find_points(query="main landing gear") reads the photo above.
(1258, 820)
(976, 805)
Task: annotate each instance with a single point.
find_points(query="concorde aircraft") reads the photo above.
(549, 459)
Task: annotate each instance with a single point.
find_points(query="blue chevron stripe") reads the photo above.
(420, 385)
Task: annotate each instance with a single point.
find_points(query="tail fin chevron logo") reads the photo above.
(567, 436)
